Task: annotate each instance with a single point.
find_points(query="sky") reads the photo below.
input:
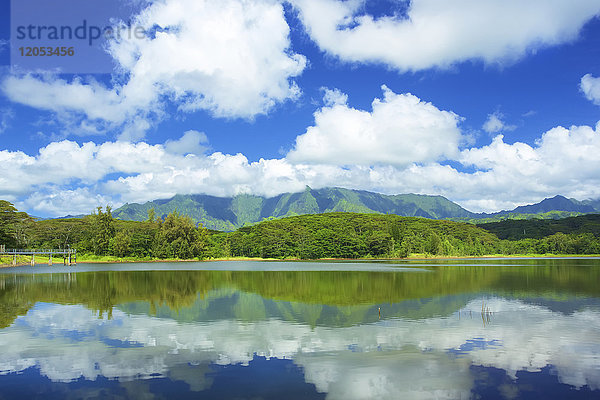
(490, 103)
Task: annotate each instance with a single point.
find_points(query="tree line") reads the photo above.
(175, 236)
(330, 235)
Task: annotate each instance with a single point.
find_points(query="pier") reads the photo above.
(69, 255)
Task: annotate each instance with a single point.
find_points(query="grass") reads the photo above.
(6, 261)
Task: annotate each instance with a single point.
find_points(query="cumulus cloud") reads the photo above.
(495, 123)
(438, 34)
(590, 86)
(231, 58)
(403, 145)
(400, 130)
(192, 142)
(53, 200)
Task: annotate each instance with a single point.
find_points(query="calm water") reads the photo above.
(489, 329)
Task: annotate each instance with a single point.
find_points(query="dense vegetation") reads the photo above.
(349, 235)
(329, 235)
(346, 235)
(539, 228)
(174, 237)
(12, 224)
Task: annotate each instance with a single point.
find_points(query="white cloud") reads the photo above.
(231, 58)
(441, 33)
(400, 130)
(192, 142)
(495, 123)
(333, 97)
(590, 86)
(398, 147)
(6, 115)
(59, 201)
(57, 95)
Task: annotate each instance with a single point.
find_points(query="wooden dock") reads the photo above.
(69, 256)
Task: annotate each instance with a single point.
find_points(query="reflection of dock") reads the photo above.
(69, 256)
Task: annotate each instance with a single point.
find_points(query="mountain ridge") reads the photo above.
(230, 213)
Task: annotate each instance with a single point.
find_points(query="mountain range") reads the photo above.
(230, 213)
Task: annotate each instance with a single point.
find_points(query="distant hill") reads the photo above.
(537, 229)
(556, 203)
(230, 213)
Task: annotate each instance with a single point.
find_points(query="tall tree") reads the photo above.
(178, 237)
(12, 225)
(151, 215)
(104, 230)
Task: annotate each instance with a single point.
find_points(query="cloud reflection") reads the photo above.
(389, 359)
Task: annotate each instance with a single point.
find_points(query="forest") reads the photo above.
(317, 236)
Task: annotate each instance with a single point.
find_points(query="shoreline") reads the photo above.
(415, 257)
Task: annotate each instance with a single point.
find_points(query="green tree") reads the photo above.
(121, 244)
(103, 229)
(178, 237)
(434, 245)
(12, 225)
(151, 215)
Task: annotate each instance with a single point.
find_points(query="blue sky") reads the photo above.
(490, 103)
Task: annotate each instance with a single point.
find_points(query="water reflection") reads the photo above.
(480, 338)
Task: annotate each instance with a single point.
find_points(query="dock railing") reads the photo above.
(69, 255)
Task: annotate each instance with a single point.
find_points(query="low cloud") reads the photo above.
(402, 145)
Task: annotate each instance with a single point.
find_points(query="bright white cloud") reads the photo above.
(400, 130)
(192, 142)
(590, 86)
(231, 58)
(398, 147)
(61, 202)
(57, 95)
(441, 33)
(495, 123)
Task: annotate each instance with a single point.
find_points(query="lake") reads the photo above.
(432, 329)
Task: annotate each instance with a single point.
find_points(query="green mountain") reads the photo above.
(556, 203)
(230, 213)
